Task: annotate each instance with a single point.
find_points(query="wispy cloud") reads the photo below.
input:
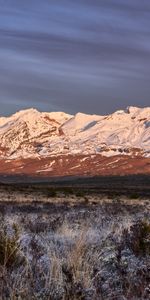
(91, 56)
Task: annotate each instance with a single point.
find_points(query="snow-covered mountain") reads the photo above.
(30, 134)
(27, 133)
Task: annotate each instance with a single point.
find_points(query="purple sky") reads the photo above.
(74, 55)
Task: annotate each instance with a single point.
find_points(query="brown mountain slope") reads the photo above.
(64, 165)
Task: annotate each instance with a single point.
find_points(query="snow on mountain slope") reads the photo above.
(80, 122)
(30, 133)
(24, 133)
(121, 130)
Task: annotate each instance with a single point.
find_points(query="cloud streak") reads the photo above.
(91, 56)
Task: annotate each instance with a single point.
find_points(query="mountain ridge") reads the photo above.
(34, 135)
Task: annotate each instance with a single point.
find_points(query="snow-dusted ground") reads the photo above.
(74, 247)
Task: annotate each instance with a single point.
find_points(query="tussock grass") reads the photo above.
(9, 246)
(75, 252)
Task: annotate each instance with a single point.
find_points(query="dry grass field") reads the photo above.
(70, 244)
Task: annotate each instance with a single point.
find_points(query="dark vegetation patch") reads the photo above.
(130, 185)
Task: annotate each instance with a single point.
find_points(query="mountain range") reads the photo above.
(59, 144)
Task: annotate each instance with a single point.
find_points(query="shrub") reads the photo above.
(67, 191)
(80, 193)
(52, 193)
(138, 240)
(134, 196)
(143, 241)
(9, 246)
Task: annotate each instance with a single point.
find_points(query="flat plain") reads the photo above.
(75, 238)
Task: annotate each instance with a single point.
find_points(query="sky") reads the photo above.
(91, 56)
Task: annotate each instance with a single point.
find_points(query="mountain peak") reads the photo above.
(28, 111)
(132, 109)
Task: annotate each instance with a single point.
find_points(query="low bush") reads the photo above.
(52, 193)
(9, 246)
(138, 239)
(141, 238)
